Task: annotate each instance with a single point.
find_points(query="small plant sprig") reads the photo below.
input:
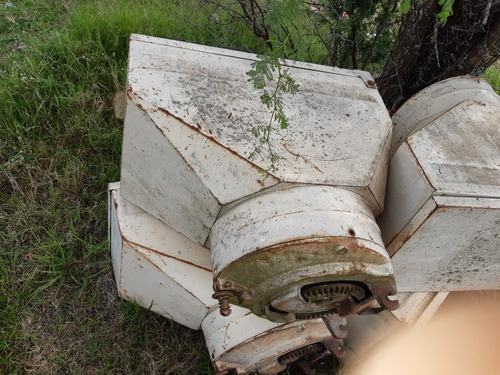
(261, 74)
(446, 9)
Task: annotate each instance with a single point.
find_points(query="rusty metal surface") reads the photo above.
(187, 138)
(454, 249)
(157, 266)
(459, 152)
(442, 215)
(267, 249)
(432, 102)
(291, 215)
(246, 344)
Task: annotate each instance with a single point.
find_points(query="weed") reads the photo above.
(59, 147)
(492, 75)
(60, 63)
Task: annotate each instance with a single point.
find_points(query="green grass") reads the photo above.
(59, 147)
(60, 63)
(492, 75)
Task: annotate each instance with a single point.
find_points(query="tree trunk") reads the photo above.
(427, 51)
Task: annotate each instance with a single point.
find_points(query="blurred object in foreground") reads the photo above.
(462, 338)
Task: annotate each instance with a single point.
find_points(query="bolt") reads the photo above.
(341, 250)
(223, 297)
(224, 307)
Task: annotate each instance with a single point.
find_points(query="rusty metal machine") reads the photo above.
(275, 263)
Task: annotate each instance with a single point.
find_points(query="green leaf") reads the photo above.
(266, 99)
(446, 10)
(405, 6)
(284, 123)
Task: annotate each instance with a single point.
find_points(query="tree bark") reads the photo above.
(427, 51)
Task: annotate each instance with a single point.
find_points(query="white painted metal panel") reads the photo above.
(247, 343)
(227, 176)
(158, 180)
(456, 248)
(442, 218)
(290, 214)
(460, 151)
(200, 98)
(430, 103)
(365, 76)
(378, 183)
(411, 227)
(408, 190)
(158, 267)
(114, 235)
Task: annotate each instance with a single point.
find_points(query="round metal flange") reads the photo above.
(272, 247)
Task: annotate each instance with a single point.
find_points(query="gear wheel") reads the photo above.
(297, 354)
(328, 293)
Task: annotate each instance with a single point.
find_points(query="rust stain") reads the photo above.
(168, 256)
(368, 83)
(230, 115)
(243, 227)
(139, 105)
(164, 111)
(302, 249)
(212, 140)
(131, 93)
(420, 166)
(261, 183)
(302, 157)
(158, 191)
(409, 236)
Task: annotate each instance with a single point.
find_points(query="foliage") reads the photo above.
(261, 74)
(60, 63)
(348, 34)
(446, 9)
(59, 148)
(492, 75)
